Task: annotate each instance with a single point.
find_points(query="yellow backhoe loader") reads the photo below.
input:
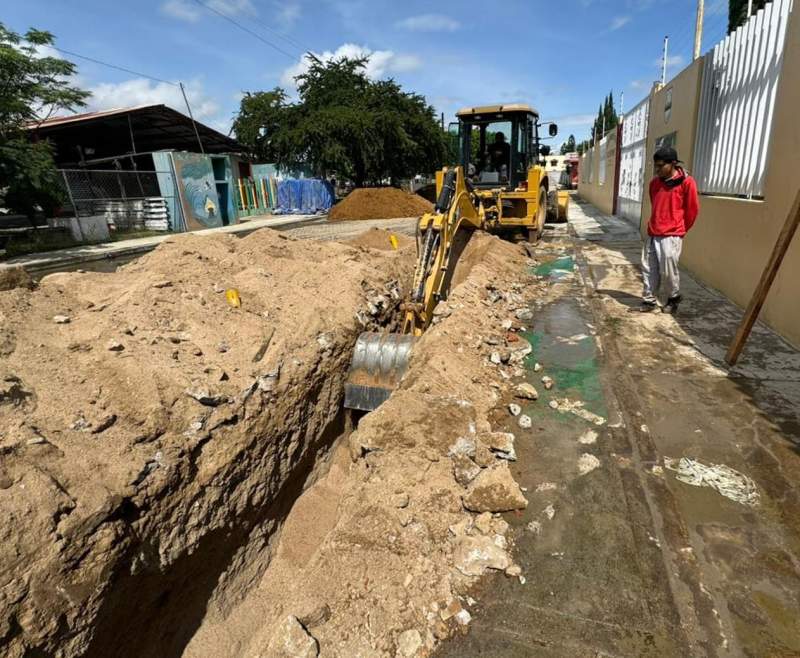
(499, 186)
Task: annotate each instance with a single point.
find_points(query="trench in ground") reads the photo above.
(159, 612)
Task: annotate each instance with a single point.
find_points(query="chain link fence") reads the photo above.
(127, 200)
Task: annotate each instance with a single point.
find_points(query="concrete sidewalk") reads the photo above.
(620, 557)
(116, 253)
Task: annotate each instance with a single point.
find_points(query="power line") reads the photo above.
(291, 40)
(248, 30)
(114, 66)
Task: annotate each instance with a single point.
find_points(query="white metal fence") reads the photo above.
(632, 161)
(737, 102)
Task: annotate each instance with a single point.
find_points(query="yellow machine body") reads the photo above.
(468, 198)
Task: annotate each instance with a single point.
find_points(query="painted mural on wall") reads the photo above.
(197, 190)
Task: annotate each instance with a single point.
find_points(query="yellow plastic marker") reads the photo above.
(393, 240)
(232, 295)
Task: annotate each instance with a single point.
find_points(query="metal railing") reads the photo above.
(129, 200)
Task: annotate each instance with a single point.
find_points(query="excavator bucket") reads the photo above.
(379, 362)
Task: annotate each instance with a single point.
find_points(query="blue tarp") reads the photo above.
(304, 196)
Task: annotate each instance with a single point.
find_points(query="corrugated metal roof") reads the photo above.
(84, 116)
(107, 133)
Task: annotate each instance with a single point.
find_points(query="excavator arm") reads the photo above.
(455, 210)
(380, 360)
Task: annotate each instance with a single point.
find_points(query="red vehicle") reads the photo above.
(572, 164)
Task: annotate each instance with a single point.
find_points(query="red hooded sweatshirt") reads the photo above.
(675, 205)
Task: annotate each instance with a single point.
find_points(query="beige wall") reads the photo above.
(733, 238)
(601, 196)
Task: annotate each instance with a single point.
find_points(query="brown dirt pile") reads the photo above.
(377, 558)
(379, 203)
(378, 238)
(153, 438)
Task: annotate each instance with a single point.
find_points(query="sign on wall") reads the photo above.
(632, 162)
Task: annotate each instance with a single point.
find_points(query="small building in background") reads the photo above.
(147, 168)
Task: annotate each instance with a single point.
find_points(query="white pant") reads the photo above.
(660, 256)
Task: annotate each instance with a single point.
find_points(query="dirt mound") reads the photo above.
(14, 277)
(157, 443)
(379, 557)
(379, 203)
(154, 436)
(378, 238)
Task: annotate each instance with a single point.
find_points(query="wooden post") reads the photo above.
(767, 277)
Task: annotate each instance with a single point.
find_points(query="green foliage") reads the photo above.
(33, 88)
(568, 146)
(346, 124)
(737, 12)
(260, 115)
(607, 119)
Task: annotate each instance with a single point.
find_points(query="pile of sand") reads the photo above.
(156, 443)
(379, 203)
(380, 557)
(381, 239)
(153, 437)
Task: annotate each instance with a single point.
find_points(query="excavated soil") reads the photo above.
(178, 477)
(154, 436)
(381, 239)
(377, 558)
(379, 203)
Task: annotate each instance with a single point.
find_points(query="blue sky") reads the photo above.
(563, 57)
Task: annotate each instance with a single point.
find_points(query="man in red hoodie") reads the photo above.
(673, 195)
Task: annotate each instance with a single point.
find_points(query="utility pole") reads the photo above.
(191, 116)
(664, 62)
(698, 28)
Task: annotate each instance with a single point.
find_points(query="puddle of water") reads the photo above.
(567, 354)
(557, 268)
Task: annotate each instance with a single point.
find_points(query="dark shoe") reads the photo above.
(648, 307)
(671, 307)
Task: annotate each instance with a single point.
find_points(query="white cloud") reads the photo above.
(186, 10)
(381, 62)
(288, 14)
(672, 61)
(619, 22)
(140, 91)
(641, 85)
(429, 23)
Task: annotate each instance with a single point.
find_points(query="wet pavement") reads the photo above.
(619, 557)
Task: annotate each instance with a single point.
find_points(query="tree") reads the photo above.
(737, 12)
(607, 119)
(33, 88)
(568, 146)
(344, 123)
(260, 116)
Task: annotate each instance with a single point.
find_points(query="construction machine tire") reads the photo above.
(535, 232)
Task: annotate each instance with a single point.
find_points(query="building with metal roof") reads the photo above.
(95, 138)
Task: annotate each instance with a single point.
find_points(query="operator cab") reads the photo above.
(498, 144)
